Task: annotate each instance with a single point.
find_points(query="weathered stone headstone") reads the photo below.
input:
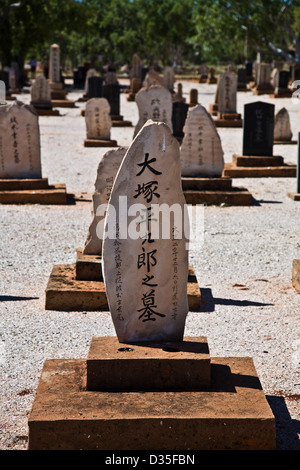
(179, 115)
(152, 78)
(263, 79)
(169, 78)
(145, 273)
(282, 127)
(203, 72)
(56, 85)
(211, 79)
(258, 132)
(19, 142)
(201, 151)
(41, 93)
(136, 79)
(154, 103)
(227, 93)
(97, 119)
(193, 97)
(54, 64)
(106, 173)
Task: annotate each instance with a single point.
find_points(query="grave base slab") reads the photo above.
(258, 167)
(294, 196)
(64, 103)
(100, 143)
(66, 293)
(296, 274)
(285, 142)
(219, 122)
(119, 121)
(263, 90)
(31, 191)
(214, 191)
(47, 112)
(128, 367)
(232, 415)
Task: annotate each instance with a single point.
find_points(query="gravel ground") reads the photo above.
(243, 266)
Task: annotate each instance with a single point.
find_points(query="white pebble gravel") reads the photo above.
(243, 264)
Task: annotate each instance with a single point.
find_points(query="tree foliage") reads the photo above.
(164, 31)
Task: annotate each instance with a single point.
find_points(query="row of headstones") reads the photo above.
(261, 74)
(201, 152)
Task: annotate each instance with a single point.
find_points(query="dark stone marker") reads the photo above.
(242, 75)
(249, 67)
(258, 129)
(112, 93)
(179, 115)
(95, 87)
(283, 79)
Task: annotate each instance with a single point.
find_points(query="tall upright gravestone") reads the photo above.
(98, 124)
(226, 101)
(154, 103)
(20, 155)
(41, 97)
(58, 93)
(201, 151)
(106, 173)
(20, 159)
(202, 164)
(146, 272)
(258, 132)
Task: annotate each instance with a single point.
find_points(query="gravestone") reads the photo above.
(169, 78)
(20, 155)
(201, 151)
(152, 78)
(257, 159)
(282, 127)
(179, 115)
(227, 93)
(106, 173)
(154, 103)
(263, 80)
(193, 97)
(258, 132)
(146, 274)
(90, 73)
(112, 93)
(98, 123)
(242, 79)
(281, 85)
(211, 79)
(249, 71)
(203, 72)
(136, 77)
(226, 96)
(41, 96)
(178, 96)
(95, 87)
(56, 86)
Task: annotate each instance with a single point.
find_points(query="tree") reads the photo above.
(29, 23)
